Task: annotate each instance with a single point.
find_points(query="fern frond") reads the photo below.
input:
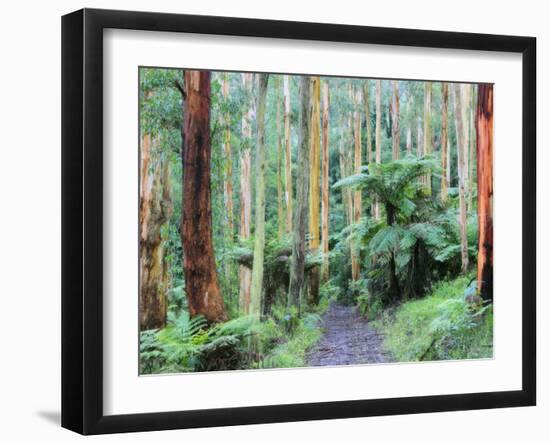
(351, 181)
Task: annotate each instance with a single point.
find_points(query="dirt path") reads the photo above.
(348, 340)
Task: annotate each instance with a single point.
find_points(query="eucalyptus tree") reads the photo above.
(357, 197)
(158, 141)
(297, 264)
(228, 182)
(444, 139)
(325, 183)
(245, 275)
(199, 264)
(472, 147)
(314, 188)
(288, 154)
(395, 120)
(428, 135)
(378, 137)
(259, 210)
(484, 131)
(280, 159)
(460, 94)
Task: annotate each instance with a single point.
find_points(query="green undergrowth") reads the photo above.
(190, 345)
(440, 326)
(291, 352)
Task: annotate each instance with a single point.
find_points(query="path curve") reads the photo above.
(348, 340)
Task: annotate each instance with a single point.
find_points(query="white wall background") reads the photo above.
(30, 222)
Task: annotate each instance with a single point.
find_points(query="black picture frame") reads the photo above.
(82, 218)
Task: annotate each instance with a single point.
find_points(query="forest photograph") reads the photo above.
(293, 221)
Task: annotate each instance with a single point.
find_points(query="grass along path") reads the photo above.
(348, 339)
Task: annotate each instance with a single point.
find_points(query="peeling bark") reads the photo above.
(484, 133)
(155, 211)
(199, 266)
(325, 190)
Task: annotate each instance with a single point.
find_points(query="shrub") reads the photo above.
(292, 353)
(440, 326)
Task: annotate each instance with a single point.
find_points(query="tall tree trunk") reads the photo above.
(357, 203)
(344, 172)
(460, 93)
(444, 138)
(259, 212)
(245, 274)
(366, 95)
(428, 139)
(378, 138)
(199, 265)
(368, 121)
(302, 190)
(325, 196)
(419, 138)
(228, 182)
(314, 188)
(409, 141)
(411, 113)
(472, 149)
(466, 99)
(448, 177)
(395, 120)
(155, 212)
(288, 154)
(484, 133)
(280, 210)
(350, 167)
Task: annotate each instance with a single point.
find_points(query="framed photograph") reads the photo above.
(269, 221)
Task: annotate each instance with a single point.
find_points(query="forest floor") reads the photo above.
(348, 339)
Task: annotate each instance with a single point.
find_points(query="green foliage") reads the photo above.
(417, 233)
(177, 301)
(160, 105)
(174, 348)
(393, 183)
(369, 307)
(417, 243)
(327, 292)
(188, 345)
(292, 353)
(441, 326)
(363, 303)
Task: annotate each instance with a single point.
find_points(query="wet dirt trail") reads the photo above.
(348, 340)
